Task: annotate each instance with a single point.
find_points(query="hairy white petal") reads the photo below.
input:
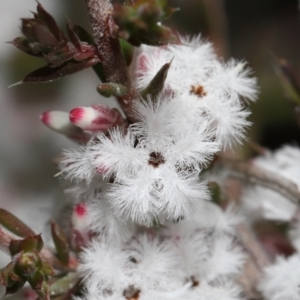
(281, 281)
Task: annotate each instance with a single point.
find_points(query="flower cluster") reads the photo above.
(149, 171)
(192, 259)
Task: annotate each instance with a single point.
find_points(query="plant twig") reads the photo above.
(256, 175)
(258, 259)
(109, 49)
(5, 240)
(252, 246)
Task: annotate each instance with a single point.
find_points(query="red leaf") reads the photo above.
(48, 74)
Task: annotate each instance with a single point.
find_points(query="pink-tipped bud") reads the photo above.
(80, 217)
(80, 224)
(59, 122)
(56, 120)
(96, 117)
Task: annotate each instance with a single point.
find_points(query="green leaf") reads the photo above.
(61, 244)
(64, 284)
(10, 279)
(127, 51)
(215, 192)
(139, 23)
(14, 225)
(157, 83)
(28, 244)
(112, 89)
(40, 284)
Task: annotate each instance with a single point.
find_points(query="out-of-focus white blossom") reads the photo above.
(261, 202)
(281, 280)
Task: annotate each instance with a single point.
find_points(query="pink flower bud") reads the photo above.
(80, 217)
(96, 117)
(81, 233)
(59, 122)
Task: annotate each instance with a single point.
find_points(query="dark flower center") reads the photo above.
(198, 90)
(156, 159)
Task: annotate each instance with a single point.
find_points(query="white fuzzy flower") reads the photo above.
(225, 258)
(156, 165)
(218, 290)
(281, 281)
(103, 267)
(155, 264)
(104, 222)
(204, 85)
(76, 165)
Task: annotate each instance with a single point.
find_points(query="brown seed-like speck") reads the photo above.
(198, 90)
(156, 159)
(194, 282)
(131, 293)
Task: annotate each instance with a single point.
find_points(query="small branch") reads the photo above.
(256, 175)
(5, 240)
(252, 246)
(109, 50)
(257, 261)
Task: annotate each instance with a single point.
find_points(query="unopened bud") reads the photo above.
(27, 264)
(59, 122)
(96, 117)
(80, 217)
(80, 224)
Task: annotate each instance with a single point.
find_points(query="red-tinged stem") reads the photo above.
(109, 50)
(5, 240)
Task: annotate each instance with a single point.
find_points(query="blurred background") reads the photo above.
(250, 30)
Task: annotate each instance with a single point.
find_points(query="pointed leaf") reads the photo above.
(46, 268)
(215, 192)
(51, 23)
(36, 31)
(23, 44)
(61, 244)
(73, 36)
(14, 287)
(14, 225)
(157, 83)
(57, 58)
(40, 285)
(64, 284)
(32, 243)
(290, 78)
(86, 37)
(127, 50)
(48, 74)
(10, 280)
(112, 89)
